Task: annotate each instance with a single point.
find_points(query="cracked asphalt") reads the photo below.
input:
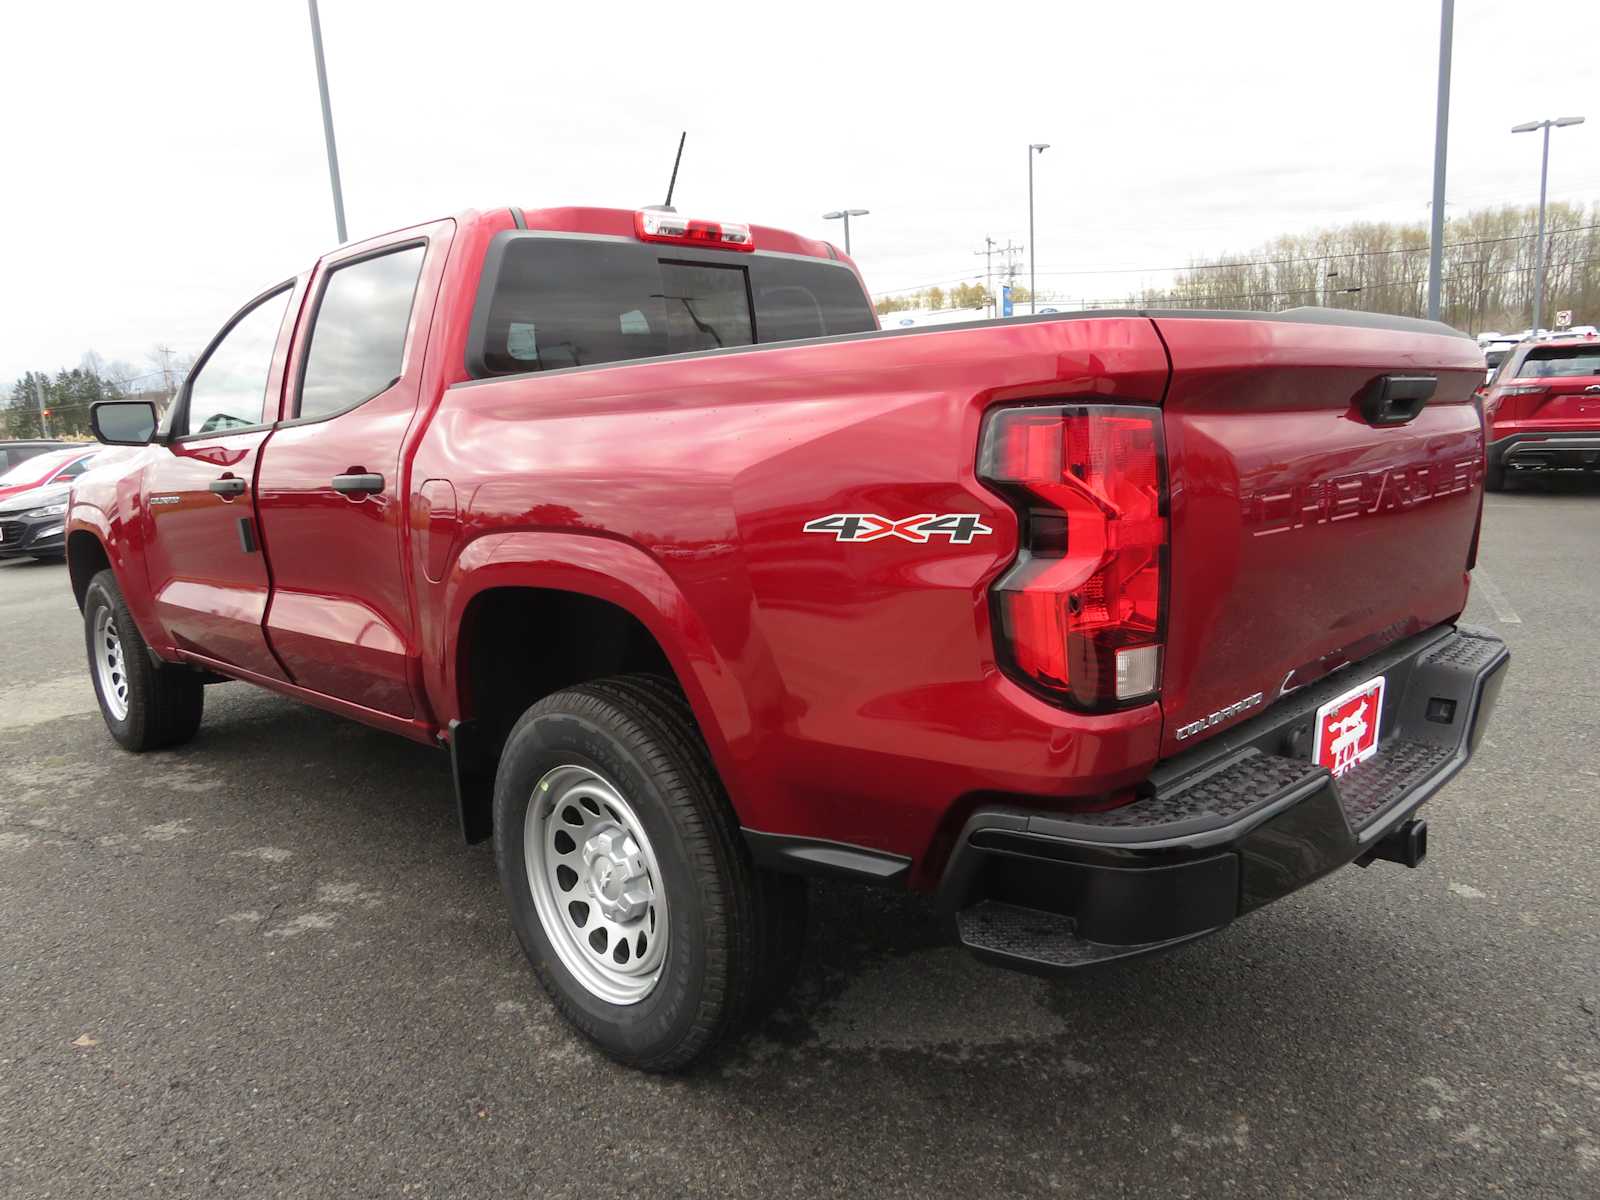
(263, 965)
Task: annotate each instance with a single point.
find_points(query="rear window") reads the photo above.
(1560, 362)
(569, 302)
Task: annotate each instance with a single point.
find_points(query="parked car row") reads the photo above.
(35, 488)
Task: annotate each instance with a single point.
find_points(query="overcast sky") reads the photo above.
(163, 161)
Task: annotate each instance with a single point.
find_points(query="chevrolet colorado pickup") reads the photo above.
(1104, 629)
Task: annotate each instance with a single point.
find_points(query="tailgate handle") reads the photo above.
(1396, 399)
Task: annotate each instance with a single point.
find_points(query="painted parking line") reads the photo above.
(49, 700)
(1491, 592)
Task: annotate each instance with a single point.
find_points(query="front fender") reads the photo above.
(119, 540)
(606, 569)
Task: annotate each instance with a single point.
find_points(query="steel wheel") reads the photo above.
(596, 886)
(110, 665)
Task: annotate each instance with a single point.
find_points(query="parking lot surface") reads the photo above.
(264, 965)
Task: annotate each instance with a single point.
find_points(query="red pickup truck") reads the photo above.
(1104, 628)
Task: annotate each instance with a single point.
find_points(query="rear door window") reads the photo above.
(358, 341)
(572, 302)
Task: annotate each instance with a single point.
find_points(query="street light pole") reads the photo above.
(327, 123)
(1544, 175)
(845, 214)
(1441, 137)
(1033, 286)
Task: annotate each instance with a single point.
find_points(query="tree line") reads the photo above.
(44, 405)
(963, 295)
(1486, 281)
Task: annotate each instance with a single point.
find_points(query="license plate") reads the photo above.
(1347, 727)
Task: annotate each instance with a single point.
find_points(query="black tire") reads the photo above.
(734, 929)
(1494, 477)
(165, 704)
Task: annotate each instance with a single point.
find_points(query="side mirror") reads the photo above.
(123, 422)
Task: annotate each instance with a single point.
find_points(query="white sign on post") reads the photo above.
(1564, 319)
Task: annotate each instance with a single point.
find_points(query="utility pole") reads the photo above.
(988, 265)
(990, 249)
(1010, 250)
(327, 123)
(44, 413)
(1441, 136)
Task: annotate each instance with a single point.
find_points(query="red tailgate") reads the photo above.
(1304, 534)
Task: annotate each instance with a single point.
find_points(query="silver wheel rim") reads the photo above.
(596, 885)
(110, 665)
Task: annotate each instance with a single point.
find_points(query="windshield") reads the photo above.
(41, 466)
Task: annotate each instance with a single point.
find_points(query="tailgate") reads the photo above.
(1304, 535)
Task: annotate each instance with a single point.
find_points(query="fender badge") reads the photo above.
(960, 528)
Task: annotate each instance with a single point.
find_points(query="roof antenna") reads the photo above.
(683, 137)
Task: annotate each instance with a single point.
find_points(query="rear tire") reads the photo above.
(1494, 478)
(633, 832)
(145, 707)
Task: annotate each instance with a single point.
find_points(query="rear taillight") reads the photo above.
(653, 225)
(1080, 611)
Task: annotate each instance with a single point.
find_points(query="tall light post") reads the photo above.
(1544, 173)
(845, 214)
(1441, 139)
(1033, 287)
(327, 123)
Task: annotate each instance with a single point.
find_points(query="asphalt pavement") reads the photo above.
(264, 965)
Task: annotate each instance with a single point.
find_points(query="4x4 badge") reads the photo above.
(869, 527)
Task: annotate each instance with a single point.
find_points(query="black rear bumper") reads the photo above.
(1230, 826)
(1547, 452)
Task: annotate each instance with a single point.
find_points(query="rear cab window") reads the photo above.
(550, 301)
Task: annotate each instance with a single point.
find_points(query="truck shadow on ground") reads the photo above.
(882, 984)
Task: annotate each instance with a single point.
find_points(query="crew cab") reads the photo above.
(1101, 629)
(1542, 409)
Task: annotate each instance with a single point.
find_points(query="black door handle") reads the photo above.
(228, 486)
(358, 485)
(1396, 399)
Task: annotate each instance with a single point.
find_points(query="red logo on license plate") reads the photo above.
(1347, 727)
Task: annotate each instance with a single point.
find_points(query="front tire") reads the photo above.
(630, 887)
(145, 707)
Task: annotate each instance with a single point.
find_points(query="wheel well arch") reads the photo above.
(517, 644)
(86, 558)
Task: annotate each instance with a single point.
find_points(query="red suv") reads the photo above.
(1542, 410)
